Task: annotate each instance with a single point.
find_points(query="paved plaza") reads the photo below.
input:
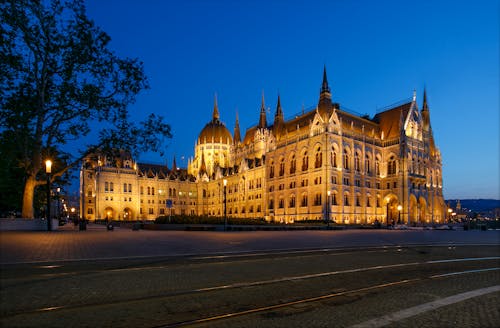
(97, 243)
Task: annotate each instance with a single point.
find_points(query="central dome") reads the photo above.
(215, 132)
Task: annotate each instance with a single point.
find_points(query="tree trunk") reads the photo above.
(28, 195)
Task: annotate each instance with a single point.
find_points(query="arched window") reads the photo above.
(305, 162)
(334, 158)
(292, 201)
(391, 167)
(346, 160)
(319, 158)
(367, 164)
(281, 203)
(356, 162)
(304, 200)
(377, 167)
(271, 204)
(271, 170)
(293, 165)
(282, 167)
(346, 200)
(334, 199)
(149, 191)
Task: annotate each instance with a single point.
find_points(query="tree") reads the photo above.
(58, 81)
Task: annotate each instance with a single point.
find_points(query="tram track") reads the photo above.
(302, 279)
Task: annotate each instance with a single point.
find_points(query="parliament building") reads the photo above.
(322, 164)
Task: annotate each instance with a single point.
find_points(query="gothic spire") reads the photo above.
(324, 86)
(424, 105)
(203, 166)
(237, 136)
(262, 119)
(215, 115)
(174, 165)
(279, 111)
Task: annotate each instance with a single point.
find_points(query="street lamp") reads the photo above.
(449, 214)
(387, 212)
(225, 204)
(399, 213)
(48, 170)
(328, 208)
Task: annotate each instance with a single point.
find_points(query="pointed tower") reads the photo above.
(203, 166)
(325, 97)
(278, 117)
(426, 114)
(262, 119)
(279, 120)
(215, 114)
(237, 135)
(174, 165)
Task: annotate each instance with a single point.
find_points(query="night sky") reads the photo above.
(376, 53)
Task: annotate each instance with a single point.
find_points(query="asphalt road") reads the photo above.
(252, 279)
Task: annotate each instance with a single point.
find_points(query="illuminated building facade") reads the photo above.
(326, 163)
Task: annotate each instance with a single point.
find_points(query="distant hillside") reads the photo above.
(476, 205)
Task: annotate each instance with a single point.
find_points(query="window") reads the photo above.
(111, 187)
(357, 182)
(150, 210)
(391, 167)
(377, 168)
(368, 202)
(291, 203)
(346, 181)
(358, 203)
(346, 200)
(346, 160)
(271, 204)
(106, 187)
(368, 184)
(124, 187)
(334, 158)
(317, 199)
(318, 162)
(304, 200)
(334, 180)
(282, 167)
(281, 203)
(142, 190)
(367, 164)
(334, 199)
(378, 202)
(305, 162)
(356, 162)
(90, 210)
(129, 187)
(149, 191)
(152, 190)
(394, 184)
(293, 165)
(271, 171)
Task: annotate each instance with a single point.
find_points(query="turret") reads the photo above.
(262, 119)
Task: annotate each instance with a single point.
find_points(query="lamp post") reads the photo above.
(328, 209)
(225, 204)
(48, 170)
(399, 213)
(449, 214)
(387, 212)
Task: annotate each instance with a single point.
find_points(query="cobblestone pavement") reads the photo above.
(96, 243)
(126, 278)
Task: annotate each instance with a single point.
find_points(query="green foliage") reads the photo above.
(205, 219)
(59, 80)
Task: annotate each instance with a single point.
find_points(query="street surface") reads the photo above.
(351, 278)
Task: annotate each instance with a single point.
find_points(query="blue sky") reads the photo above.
(376, 53)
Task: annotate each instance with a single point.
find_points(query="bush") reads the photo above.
(205, 219)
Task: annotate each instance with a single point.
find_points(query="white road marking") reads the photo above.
(463, 272)
(413, 311)
(466, 259)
